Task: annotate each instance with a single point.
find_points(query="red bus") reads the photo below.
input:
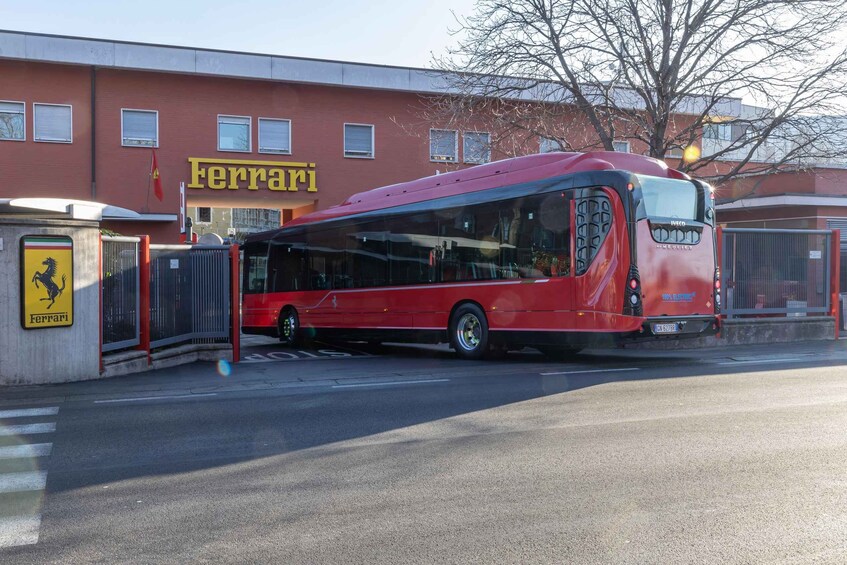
(557, 251)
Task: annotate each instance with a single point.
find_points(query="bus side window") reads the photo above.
(287, 260)
(537, 236)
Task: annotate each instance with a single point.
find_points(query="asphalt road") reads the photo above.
(410, 456)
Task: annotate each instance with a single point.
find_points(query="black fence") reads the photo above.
(776, 272)
(189, 293)
(120, 292)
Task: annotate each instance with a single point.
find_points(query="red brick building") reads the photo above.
(78, 118)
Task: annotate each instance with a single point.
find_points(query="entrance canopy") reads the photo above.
(64, 208)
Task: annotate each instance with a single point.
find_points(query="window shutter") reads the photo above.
(274, 135)
(442, 145)
(139, 126)
(357, 140)
(52, 123)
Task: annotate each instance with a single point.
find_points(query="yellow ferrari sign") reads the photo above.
(47, 281)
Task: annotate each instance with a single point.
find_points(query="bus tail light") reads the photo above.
(717, 291)
(632, 302)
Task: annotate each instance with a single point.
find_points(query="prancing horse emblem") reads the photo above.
(334, 301)
(46, 279)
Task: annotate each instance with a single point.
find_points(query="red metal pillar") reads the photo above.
(719, 264)
(235, 301)
(834, 279)
(144, 294)
(100, 302)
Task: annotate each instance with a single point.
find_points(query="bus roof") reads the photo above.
(491, 175)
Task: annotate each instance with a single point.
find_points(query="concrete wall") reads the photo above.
(750, 331)
(50, 355)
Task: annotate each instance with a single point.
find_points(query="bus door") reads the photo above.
(535, 254)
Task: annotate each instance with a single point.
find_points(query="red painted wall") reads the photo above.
(31, 168)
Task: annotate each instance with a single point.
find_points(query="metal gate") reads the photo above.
(189, 293)
(766, 271)
(120, 292)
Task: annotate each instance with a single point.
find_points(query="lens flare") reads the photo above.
(691, 154)
(224, 368)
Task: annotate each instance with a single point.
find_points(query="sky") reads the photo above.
(389, 32)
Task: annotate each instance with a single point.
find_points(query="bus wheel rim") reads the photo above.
(288, 326)
(469, 332)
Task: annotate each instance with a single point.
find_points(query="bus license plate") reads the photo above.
(665, 328)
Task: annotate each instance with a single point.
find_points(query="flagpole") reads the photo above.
(149, 182)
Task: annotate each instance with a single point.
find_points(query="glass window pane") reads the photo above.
(477, 147)
(668, 198)
(233, 137)
(414, 248)
(548, 145)
(12, 120)
(536, 236)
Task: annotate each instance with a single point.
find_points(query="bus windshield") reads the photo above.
(667, 198)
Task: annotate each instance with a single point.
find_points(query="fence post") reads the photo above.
(235, 332)
(723, 290)
(144, 295)
(835, 278)
(100, 302)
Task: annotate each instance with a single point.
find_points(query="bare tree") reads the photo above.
(659, 74)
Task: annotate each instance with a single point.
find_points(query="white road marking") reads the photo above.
(392, 383)
(140, 398)
(20, 482)
(25, 451)
(24, 529)
(591, 371)
(26, 412)
(25, 429)
(760, 361)
(19, 530)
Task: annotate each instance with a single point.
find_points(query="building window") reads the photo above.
(52, 123)
(234, 133)
(12, 121)
(274, 136)
(477, 147)
(204, 215)
(621, 146)
(359, 141)
(717, 131)
(443, 145)
(139, 128)
(548, 145)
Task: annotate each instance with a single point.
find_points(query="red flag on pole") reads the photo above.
(157, 182)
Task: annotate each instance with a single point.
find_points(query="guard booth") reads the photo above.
(71, 301)
(49, 290)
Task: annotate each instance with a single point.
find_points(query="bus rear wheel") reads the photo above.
(289, 327)
(469, 331)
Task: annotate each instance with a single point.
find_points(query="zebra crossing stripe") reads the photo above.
(26, 451)
(21, 482)
(23, 529)
(29, 412)
(25, 429)
(19, 530)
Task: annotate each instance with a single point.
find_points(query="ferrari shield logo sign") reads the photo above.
(47, 273)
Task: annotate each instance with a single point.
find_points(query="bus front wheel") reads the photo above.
(469, 331)
(289, 327)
